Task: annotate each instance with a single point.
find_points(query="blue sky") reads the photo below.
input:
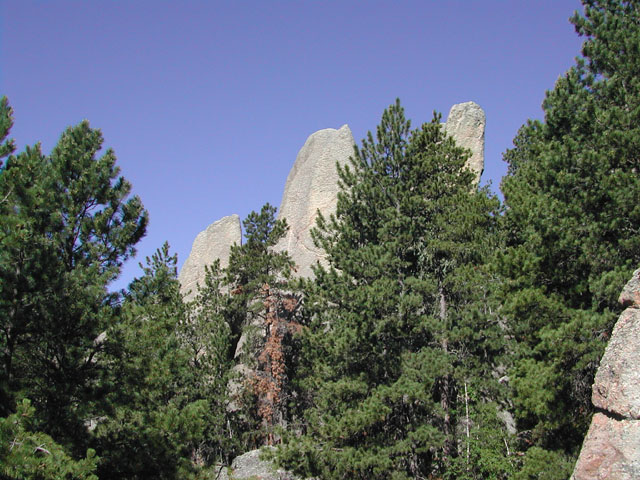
(206, 103)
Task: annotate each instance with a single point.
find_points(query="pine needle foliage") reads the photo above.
(399, 322)
(573, 227)
(29, 455)
(66, 227)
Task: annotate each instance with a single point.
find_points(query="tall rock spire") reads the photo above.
(312, 186)
(466, 123)
(211, 244)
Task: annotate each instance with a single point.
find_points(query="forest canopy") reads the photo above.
(449, 335)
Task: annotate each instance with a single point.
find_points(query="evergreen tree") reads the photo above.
(400, 334)
(573, 223)
(206, 336)
(263, 310)
(168, 367)
(29, 455)
(7, 146)
(66, 226)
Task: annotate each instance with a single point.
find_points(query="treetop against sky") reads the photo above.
(207, 103)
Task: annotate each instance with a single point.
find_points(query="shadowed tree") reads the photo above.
(392, 344)
(573, 224)
(66, 227)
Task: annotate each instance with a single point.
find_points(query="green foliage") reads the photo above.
(393, 324)
(169, 369)
(573, 223)
(7, 147)
(540, 464)
(66, 226)
(29, 455)
(206, 336)
(486, 449)
(253, 265)
(263, 309)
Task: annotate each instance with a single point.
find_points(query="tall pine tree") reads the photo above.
(165, 414)
(263, 313)
(573, 223)
(66, 226)
(400, 331)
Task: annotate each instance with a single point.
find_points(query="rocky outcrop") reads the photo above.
(466, 123)
(312, 186)
(249, 466)
(616, 388)
(611, 449)
(630, 296)
(211, 244)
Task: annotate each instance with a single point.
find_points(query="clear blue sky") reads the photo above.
(206, 103)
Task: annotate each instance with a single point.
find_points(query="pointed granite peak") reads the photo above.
(312, 185)
(466, 123)
(211, 244)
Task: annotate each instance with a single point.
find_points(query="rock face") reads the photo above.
(248, 466)
(466, 123)
(630, 295)
(210, 244)
(312, 185)
(616, 388)
(611, 448)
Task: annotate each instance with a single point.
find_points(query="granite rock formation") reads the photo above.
(466, 123)
(211, 244)
(249, 466)
(312, 186)
(611, 449)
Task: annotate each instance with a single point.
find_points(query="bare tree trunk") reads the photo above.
(445, 400)
(466, 408)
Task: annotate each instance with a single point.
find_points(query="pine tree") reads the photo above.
(264, 310)
(573, 222)
(394, 335)
(165, 415)
(66, 226)
(26, 455)
(206, 336)
(253, 265)
(7, 146)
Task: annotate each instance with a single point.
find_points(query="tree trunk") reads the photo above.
(448, 448)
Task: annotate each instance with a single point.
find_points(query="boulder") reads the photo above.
(611, 449)
(249, 466)
(211, 244)
(466, 123)
(312, 186)
(630, 296)
(616, 388)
